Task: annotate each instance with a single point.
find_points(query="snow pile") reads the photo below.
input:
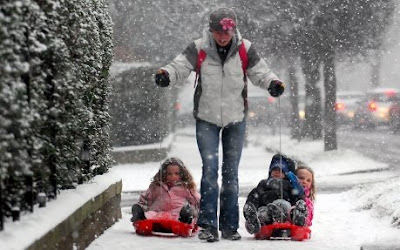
(381, 198)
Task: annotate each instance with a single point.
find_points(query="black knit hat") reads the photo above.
(282, 161)
(223, 19)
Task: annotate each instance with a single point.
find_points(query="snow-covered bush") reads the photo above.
(54, 96)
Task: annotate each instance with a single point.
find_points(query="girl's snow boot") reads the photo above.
(137, 213)
(299, 213)
(186, 214)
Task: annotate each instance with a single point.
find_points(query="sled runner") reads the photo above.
(283, 231)
(164, 227)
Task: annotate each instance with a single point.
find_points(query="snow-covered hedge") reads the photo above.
(54, 97)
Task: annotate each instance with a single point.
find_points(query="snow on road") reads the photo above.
(338, 224)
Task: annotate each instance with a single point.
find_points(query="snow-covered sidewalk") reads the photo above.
(343, 220)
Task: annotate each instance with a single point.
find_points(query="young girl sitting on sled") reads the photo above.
(171, 195)
(306, 178)
(279, 198)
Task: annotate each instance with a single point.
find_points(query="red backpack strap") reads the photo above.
(201, 56)
(243, 58)
(245, 62)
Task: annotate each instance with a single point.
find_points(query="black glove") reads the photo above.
(162, 78)
(276, 88)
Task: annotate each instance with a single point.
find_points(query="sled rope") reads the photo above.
(280, 144)
(159, 156)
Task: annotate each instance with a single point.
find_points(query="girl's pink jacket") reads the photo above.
(310, 208)
(161, 201)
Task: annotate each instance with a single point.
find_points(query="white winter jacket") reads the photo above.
(218, 97)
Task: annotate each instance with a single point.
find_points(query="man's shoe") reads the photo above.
(209, 234)
(231, 235)
(252, 222)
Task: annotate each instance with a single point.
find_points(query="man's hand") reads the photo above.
(162, 78)
(276, 88)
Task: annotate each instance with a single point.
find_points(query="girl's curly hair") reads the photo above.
(186, 177)
(312, 188)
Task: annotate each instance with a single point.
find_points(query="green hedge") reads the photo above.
(54, 97)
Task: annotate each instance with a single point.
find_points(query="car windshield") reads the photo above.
(381, 97)
(349, 97)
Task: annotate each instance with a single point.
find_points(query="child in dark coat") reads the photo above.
(277, 198)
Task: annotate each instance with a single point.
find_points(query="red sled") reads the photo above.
(283, 231)
(164, 227)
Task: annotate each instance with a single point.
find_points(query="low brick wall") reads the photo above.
(86, 223)
(139, 156)
(144, 153)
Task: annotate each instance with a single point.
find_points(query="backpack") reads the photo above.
(201, 56)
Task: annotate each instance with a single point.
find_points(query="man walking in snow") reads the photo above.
(223, 61)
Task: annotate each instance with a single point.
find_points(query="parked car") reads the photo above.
(375, 108)
(346, 104)
(261, 108)
(264, 109)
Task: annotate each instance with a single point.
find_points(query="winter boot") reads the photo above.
(231, 235)
(252, 222)
(276, 212)
(186, 214)
(299, 213)
(264, 216)
(137, 213)
(209, 233)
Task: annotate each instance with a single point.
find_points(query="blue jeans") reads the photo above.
(208, 137)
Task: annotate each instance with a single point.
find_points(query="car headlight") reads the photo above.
(252, 114)
(350, 114)
(302, 115)
(383, 113)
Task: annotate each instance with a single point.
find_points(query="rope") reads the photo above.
(159, 153)
(280, 145)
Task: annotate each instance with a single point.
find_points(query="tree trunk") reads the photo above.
(312, 128)
(294, 101)
(1, 205)
(330, 140)
(375, 70)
